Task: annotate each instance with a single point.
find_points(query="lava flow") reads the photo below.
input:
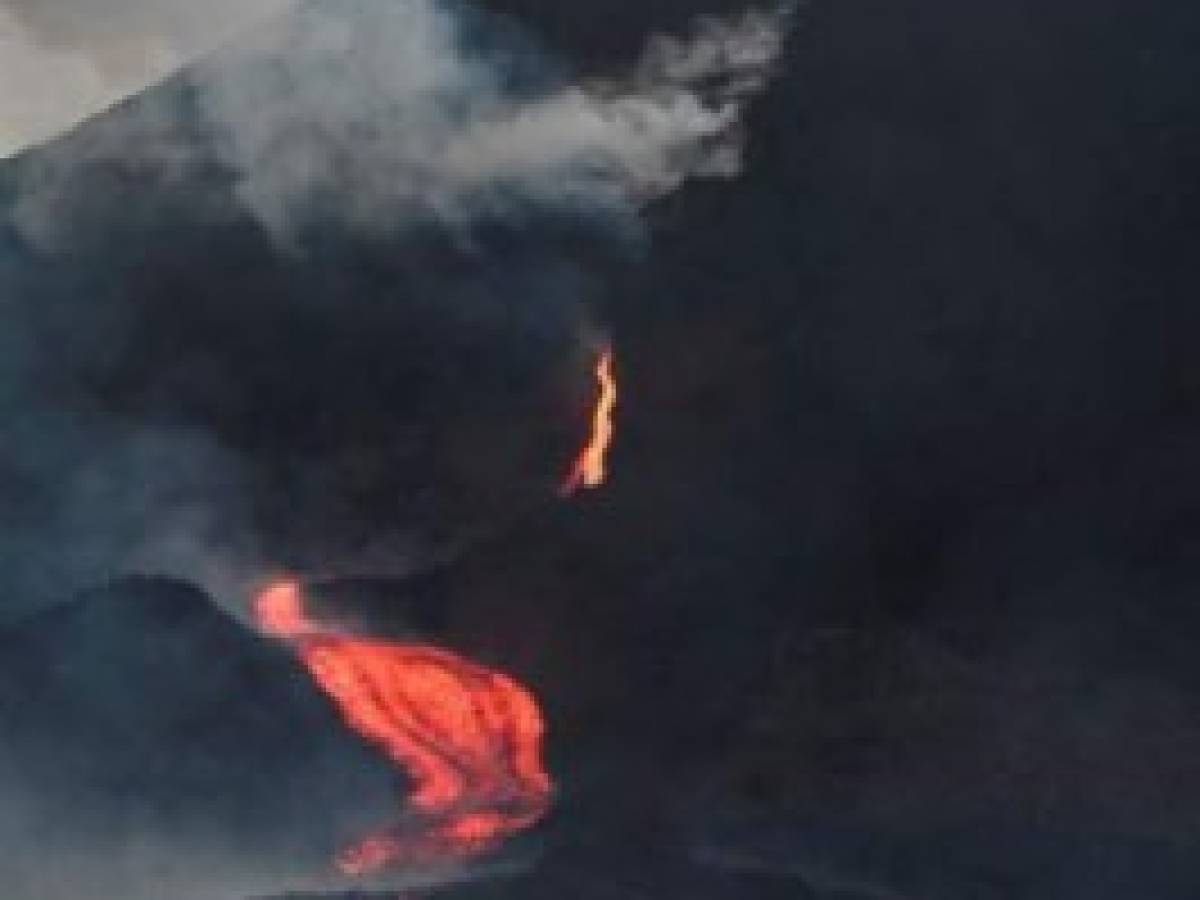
(470, 738)
(590, 468)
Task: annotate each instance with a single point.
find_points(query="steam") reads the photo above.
(370, 120)
(382, 113)
(160, 300)
(395, 117)
(142, 501)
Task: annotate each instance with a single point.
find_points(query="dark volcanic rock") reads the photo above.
(924, 380)
(995, 864)
(143, 724)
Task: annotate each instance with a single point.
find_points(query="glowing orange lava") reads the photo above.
(470, 738)
(590, 468)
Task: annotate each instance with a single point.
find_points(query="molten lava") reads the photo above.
(470, 738)
(590, 468)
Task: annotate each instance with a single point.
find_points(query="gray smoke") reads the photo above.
(369, 120)
(392, 116)
(170, 323)
(383, 110)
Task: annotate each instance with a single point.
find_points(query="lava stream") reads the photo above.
(470, 738)
(590, 468)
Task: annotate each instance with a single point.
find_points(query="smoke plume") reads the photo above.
(191, 265)
(381, 112)
(261, 317)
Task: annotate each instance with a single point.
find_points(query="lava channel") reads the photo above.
(590, 469)
(470, 738)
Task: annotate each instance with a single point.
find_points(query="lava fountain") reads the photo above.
(470, 738)
(591, 466)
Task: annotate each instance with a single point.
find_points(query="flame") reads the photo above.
(590, 468)
(470, 738)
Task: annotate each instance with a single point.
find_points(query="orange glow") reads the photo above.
(590, 468)
(470, 738)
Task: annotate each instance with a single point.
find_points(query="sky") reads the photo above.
(64, 60)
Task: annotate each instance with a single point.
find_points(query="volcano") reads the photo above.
(887, 586)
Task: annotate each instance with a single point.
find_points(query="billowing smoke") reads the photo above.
(318, 304)
(247, 279)
(396, 116)
(380, 112)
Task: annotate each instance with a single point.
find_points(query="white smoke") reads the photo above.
(376, 113)
(360, 115)
(383, 107)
